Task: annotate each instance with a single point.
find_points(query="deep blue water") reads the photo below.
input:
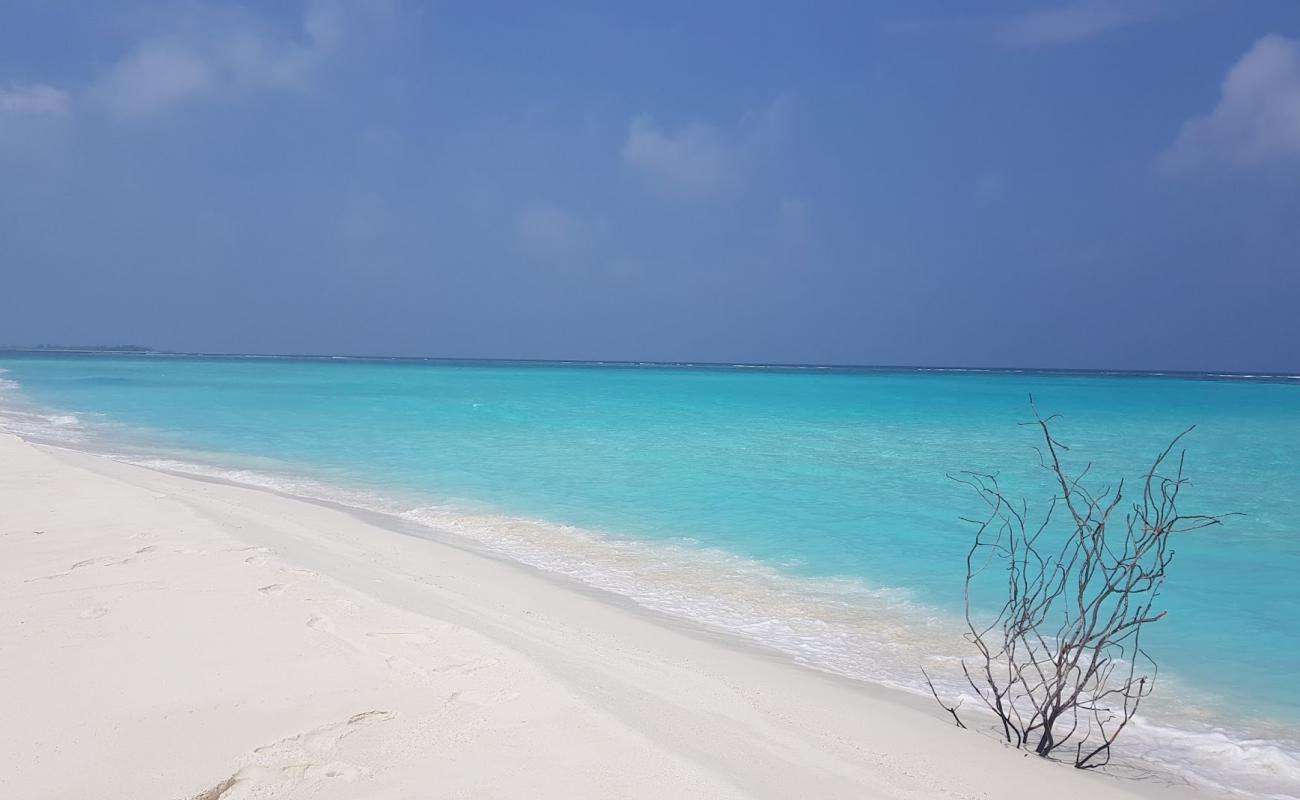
(808, 509)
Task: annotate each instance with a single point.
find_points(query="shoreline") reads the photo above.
(629, 701)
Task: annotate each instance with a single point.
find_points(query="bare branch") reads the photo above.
(1060, 663)
(950, 709)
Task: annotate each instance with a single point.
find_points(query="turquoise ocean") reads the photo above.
(804, 509)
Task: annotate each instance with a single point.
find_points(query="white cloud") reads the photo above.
(699, 158)
(154, 76)
(33, 98)
(550, 230)
(693, 158)
(1075, 22)
(1257, 118)
(218, 54)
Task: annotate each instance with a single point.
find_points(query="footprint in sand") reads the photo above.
(93, 613)
(483, 697)
(83, 563)
(273, 590)
(44, 577)
(324, 738)
(322, 624)
(109, 562)
(466, 667)
(259, 781)
(300, 760)
(335, 770)
(258, 556)
(304, 573)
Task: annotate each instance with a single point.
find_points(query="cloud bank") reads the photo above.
(1257, 118)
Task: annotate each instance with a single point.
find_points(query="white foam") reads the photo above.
(21, 417)
(1220, 758)
(64, 429)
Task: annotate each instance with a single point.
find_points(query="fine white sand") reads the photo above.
(167, 637)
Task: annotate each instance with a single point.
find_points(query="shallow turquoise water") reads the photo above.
(832, 480)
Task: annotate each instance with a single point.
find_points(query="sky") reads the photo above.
(1084, 184)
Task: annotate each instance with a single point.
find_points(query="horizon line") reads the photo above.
(141, 350)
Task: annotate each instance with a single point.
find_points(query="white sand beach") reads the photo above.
(168, 637)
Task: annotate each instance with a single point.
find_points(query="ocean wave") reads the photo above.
(62, 429)
(1221, 759)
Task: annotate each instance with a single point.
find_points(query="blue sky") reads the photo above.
(1095, 183)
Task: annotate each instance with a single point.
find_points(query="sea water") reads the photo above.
(809, 510)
